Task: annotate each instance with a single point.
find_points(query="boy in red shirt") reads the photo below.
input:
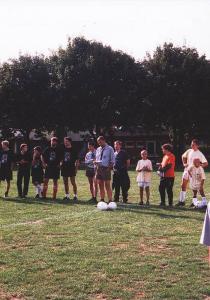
(166, 168)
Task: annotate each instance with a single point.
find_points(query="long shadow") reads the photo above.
(130, 207)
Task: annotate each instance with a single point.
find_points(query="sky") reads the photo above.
(133, 26)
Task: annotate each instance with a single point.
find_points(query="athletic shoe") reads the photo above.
(141, 203)
(93, 200)
(125, 200)
(75, 199)
(66, 199)
(147, 203)
(162, 204)
(192, 205)
(180, 204)
(37, 196)
(5, 194)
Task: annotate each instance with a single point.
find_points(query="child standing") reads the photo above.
(37, 172)
(144, 169)
(197, 178)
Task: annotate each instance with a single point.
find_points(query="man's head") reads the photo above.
(117, 145)
(195, 144)
(167, 148)
(101, 141)
(5, 145)
(23, 148)
(67, 142)
(54, 141)
(91, 146)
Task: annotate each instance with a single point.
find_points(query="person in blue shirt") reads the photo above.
(121, 179)
(104, 164)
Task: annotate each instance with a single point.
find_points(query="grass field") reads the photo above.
(53, 250)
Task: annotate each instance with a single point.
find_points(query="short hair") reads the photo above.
(167, 147)
(118, 142)
(38, 148)
(68, 139)
(54, 138)
(22, 146)
(91, 143)
(6, 143)
(101, 138)
(195, 141)
(144, 150)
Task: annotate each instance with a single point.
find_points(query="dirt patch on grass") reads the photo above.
(7, 296)
(120, 246)
(155, 246)
(98, 297)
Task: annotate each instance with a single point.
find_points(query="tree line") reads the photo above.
(89, 86)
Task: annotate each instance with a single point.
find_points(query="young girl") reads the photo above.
(37, 171)
(90, 171)
(144, 169)
(197, 178)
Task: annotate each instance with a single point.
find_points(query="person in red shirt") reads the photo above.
(166, 171)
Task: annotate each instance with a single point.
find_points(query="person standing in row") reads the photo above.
(144, 169)
(120, 176)
(24, 170)
(69, 167)
(6, 160)
(104, 163)
(90, 171)
(187, 160)
(51, 163)
(166, 169)
(37, 172)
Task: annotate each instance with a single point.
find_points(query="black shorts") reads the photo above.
(68, 171)
(52, 173)
(37, 176)
(5, 174)
(90, 172)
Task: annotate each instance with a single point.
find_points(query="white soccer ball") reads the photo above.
(102, 205)
(112, 205)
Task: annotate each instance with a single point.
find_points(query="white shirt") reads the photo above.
(197, 175)
(144, 176)
(190, 155)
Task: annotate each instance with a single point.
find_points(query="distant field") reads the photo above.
(54, 250)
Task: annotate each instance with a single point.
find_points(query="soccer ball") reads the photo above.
(102, 205)
(112, 205)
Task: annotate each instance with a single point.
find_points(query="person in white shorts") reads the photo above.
(197, 178)
(144, 169)
(187, 160)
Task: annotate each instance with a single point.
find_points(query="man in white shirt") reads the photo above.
(187, 160)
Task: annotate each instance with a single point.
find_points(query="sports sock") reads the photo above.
(182, 196)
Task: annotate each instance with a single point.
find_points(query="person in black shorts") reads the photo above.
(69, 166)
(6, 160)
(37, 172)
(23, 174)
(51, 163)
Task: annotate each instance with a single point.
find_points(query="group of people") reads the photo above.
(100, 162)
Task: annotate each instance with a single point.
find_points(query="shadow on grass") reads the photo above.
(129, 207)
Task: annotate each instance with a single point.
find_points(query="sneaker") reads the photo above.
(162, 204)
(141, 203)
(192, 205)
(180, 204)
(75, 199)
(37, 196)
(66, 198)
(125, 200)
(170, 205)
(5, 194)
(93, 200)
(147, 203)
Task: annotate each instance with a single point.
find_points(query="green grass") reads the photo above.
(53, 250)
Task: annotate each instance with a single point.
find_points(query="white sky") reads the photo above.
(133, 26)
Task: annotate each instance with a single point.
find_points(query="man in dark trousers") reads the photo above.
(120, 176)
(23, 174)
(51, 158)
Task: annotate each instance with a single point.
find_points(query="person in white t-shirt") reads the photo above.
(187, 160)
(197, 178)
(144, 169)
